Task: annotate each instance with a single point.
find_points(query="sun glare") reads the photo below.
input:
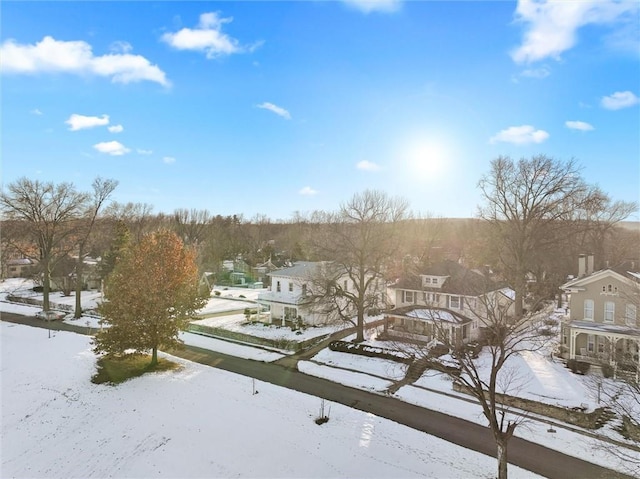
(427, 160)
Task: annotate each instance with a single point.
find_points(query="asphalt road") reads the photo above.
(533, 457)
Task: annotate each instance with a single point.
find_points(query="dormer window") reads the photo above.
(434, 280)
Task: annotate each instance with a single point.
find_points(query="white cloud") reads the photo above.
(367, 166)
(368, 6)
(619, 100)
(552, 25)
(520, 135)
(168, 159)
(540, 73)
(207, 37)
(275, 109)
(578, 125)
(120, 47)
(35, 111)
(53, 56)
(80, 122)
(307, 191)
(140, 151)
(115, 128)
(114, 148)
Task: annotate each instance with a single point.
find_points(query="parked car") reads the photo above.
(50, 315)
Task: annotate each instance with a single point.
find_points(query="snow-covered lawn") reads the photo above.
(195, 422)
(541, 379)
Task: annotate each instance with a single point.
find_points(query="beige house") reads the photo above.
(603, 322)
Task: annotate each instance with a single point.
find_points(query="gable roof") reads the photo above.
(618, 273)
(460, 280)
(300, 269)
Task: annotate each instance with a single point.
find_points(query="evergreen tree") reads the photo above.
(151, 295)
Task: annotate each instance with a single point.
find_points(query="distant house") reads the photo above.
(603, 321)
(445, 298)
(261, 271)
(18, 268)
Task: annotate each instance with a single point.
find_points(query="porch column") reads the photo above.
(572, 343)
(613, 342)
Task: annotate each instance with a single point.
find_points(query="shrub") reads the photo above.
(571, 364)
(217, 293)
(369, 351)
(607, 370)
(582, 367)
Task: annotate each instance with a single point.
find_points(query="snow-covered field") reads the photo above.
(195, 422)
(542, 379)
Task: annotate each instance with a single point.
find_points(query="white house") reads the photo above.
(290, 293)
(287, 298)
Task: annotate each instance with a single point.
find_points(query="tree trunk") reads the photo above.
(46, 285)
(154, 356)
(79, 265)
(360, 327)
(502, 459)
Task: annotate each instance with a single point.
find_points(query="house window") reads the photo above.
(434, 280)
(278, 289)
(427, 280)
(630, 314)
(345, 286)
(304, 289)
(454, 302)
(591, 343)
(290, 286)
(588, 309)
(408, 297)
(609, 311)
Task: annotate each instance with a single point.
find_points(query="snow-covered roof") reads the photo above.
(606, 328)
(431, 314)
(300, 269)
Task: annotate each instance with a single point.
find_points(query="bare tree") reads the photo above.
(191, 225)
(50, 213)
(602, 216)
(485, 372)
(528, 206)
(102, 189)
(358, 241)
(137, 217)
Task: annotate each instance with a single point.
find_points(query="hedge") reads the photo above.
(370, 351)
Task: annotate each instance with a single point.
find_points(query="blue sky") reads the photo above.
(274, 107)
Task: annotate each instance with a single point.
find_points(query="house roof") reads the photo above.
(620, 273)
(19, 261)
(606, 328)
(431, 314)
(460, 280)
(300, 269)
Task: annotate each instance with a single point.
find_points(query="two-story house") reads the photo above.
(602, 326)
(291, 292)
(287, 297)
(446, 298)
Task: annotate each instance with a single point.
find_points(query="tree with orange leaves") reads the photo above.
(150, 297)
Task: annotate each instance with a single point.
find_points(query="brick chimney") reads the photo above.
(590, 264)
(582, 265)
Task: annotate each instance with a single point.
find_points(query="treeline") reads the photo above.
(536, 217)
